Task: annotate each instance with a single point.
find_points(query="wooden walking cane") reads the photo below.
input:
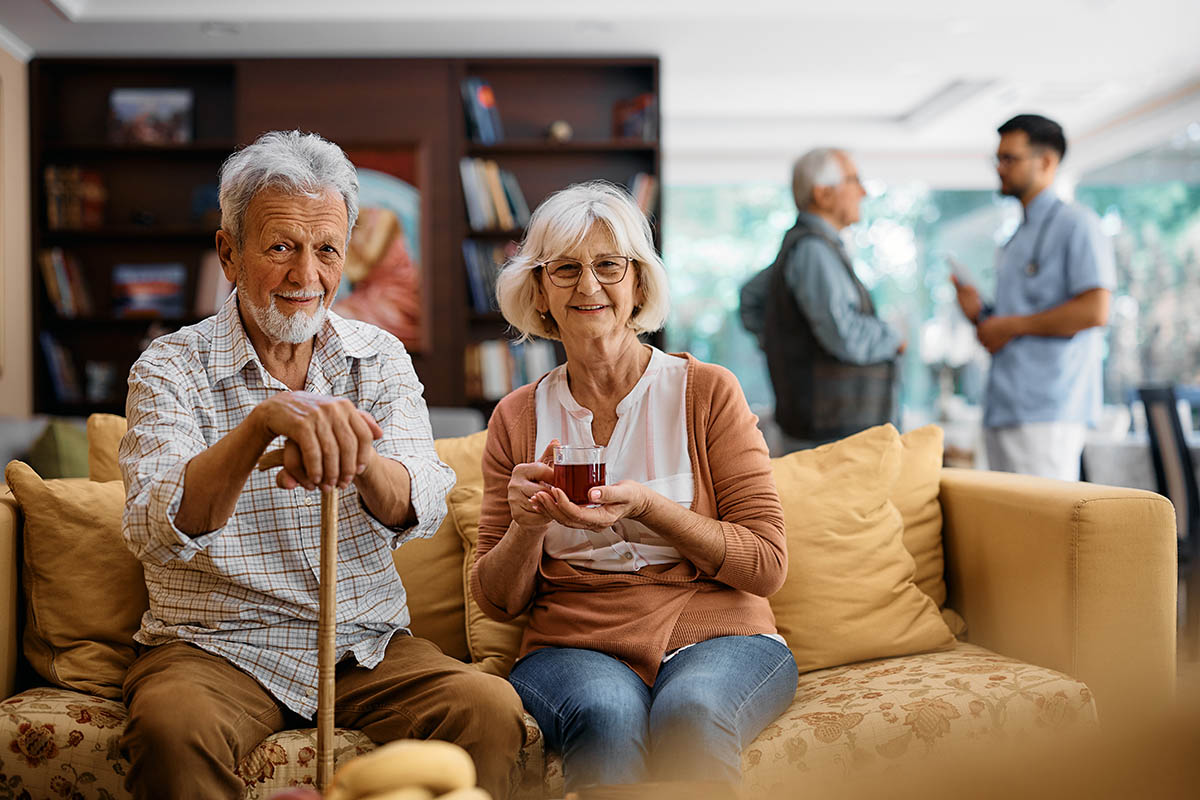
(326, 625)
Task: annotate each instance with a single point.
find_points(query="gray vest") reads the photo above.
(818, 397)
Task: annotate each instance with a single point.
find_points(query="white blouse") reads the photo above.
(648, 445)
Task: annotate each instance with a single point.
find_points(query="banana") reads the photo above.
(473, 793)
(439, 766)
(407, 793)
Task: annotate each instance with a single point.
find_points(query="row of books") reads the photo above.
(494, 367)
(493, 196)
(636, 118)
(483, 118)
(65, 285)
(101, 382)
(483, 261)
(75, 197)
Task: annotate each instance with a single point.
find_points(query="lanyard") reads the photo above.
(1034, 265)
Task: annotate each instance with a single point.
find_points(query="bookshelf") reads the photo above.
(159, 205)
(530, 94)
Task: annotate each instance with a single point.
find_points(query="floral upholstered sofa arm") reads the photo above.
(1077, 577)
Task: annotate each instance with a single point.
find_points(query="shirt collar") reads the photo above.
(821, 224)
(1040, 205)
(337, 341)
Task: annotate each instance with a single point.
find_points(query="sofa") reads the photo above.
(981, 608)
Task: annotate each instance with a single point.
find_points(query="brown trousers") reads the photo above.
(193, 716)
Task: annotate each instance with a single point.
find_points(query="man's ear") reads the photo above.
(821, 197)
(227, 252)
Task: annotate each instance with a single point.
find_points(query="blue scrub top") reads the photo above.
(1043, 378)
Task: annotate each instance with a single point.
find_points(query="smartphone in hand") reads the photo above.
(959, 270)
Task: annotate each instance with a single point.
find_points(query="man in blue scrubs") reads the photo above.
(1054, 281)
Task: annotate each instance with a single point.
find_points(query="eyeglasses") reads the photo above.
(1008, 159)
(566, 272)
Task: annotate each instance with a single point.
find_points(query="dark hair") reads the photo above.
(1042, 132)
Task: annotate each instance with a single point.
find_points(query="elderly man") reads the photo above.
(831, 358)
(1054, 280)
(229, 646)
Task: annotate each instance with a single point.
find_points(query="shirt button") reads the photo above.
(308, 692)
(626, 556)
(308, 500)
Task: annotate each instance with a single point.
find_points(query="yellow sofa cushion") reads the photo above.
(431, 569)
(849, 594)
(84, 591)
(916, 496)
(493, 644)
(104, 432)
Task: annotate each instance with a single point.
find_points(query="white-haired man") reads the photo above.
(228, 647)
(832, 359)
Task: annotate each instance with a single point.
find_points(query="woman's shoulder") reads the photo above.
(707, 378)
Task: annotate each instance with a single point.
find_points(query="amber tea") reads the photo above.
(577, 470)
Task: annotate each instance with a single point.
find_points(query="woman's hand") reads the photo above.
(527, 482)
(623, 500)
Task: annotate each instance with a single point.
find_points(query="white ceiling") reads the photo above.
(916, 88)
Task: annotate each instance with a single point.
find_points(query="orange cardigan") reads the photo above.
(638, 617)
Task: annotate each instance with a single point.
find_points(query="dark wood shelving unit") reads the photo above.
(532, 93)
(362, 104)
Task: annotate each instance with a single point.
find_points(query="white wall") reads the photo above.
(16, 373)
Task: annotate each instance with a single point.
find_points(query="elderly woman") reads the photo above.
(651, 651)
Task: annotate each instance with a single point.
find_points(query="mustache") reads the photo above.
(299, 295)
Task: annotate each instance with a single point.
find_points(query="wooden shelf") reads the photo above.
(107, 321)
(132, 232)
(565, 148)
(516, 234)
(59, 150)
(488, 317)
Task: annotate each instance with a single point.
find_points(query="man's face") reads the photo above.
(841, 203)
(1020, 166)
(290, 262)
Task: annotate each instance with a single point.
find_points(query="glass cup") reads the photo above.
(577, 470)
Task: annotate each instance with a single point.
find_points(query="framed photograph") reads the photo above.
(150, 116)
(383, 282)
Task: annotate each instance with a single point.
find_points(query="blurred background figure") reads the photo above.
(831, 358)
(1054, 282)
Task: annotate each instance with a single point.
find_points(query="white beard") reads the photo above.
(294, 328)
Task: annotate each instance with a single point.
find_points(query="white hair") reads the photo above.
(557, 226)
(295, 162)
(292, 328)
(817, 167)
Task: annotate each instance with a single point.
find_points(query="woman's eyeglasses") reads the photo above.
(565, 272)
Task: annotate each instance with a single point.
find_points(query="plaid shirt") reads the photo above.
(248, 591)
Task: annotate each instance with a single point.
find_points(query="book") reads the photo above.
(516, 198)
(75, 197)
(61, 367)
(148, 290)
(483, 117)
(644, 188)
(65, 284)
(504, 214)
(636, 118)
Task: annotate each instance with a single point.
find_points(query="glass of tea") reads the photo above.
(577, 470)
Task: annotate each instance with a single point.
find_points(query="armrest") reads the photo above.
(10, 647)
(1076, 577)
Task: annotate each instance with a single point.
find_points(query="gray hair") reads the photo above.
(558, 225)
(295, 162)
(818, 167)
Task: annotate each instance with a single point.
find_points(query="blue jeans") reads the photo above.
(707, 703)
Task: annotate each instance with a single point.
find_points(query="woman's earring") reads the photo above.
(542, 314)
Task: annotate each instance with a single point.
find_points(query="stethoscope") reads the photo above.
(1031, 269)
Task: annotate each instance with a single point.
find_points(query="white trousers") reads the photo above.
(1048, 449)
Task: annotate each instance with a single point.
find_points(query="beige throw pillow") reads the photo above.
(849, 594)
(431, 569)
(916, 496)
(84, 591)
(494, 645)
(104, 432)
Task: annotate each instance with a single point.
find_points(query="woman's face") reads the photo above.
(590, 309)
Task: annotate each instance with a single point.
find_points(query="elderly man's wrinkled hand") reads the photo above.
(622, 500)
(995, 332)
(329, 440)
